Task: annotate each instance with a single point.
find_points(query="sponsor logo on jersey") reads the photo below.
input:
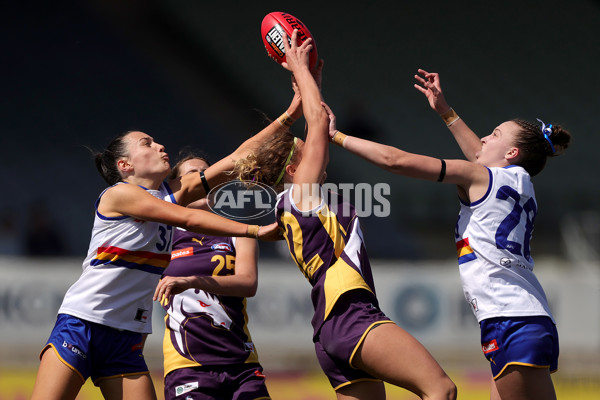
(508, 263)
(74, 349)
(473, 304)
(185, 388)
(490, 346)
(221, 247)
(138, 346)
(188, 251)
(249, 346)
(141, 315)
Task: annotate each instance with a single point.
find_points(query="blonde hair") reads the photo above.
(266, 163)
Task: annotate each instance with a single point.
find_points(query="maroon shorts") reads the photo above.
(232, 382)
(353, 316)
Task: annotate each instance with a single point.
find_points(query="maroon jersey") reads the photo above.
(327, 245)
(203, 328)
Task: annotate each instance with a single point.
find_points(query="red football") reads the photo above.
(272, 27)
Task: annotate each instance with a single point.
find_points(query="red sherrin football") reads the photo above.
(271, 29)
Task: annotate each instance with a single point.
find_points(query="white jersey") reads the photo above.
(492, 241)
(125, 261)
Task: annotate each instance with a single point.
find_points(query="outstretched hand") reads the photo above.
(171, 285)
(270, 233)
(431, 88)
(296, 56)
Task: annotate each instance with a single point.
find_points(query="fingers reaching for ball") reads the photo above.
(296, 56)
(430, 86)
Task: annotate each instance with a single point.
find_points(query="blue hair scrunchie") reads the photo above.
(547, 131)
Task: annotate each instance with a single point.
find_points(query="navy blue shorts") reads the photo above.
(353, 316)
(528, 341)
(97, 351)
(232, 382)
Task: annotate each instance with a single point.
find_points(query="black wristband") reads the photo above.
(442, 171)
(204, 182)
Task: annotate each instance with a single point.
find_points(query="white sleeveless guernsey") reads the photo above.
(492, 241)
(125, 261)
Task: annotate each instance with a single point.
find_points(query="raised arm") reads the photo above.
(471, 178)
(315, 154)
(469, 142)
(397, 161)
(190, 188)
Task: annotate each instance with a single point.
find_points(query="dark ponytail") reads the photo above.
(535, 147)
(106, 161)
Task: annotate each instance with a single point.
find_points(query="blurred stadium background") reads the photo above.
(195, 73)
